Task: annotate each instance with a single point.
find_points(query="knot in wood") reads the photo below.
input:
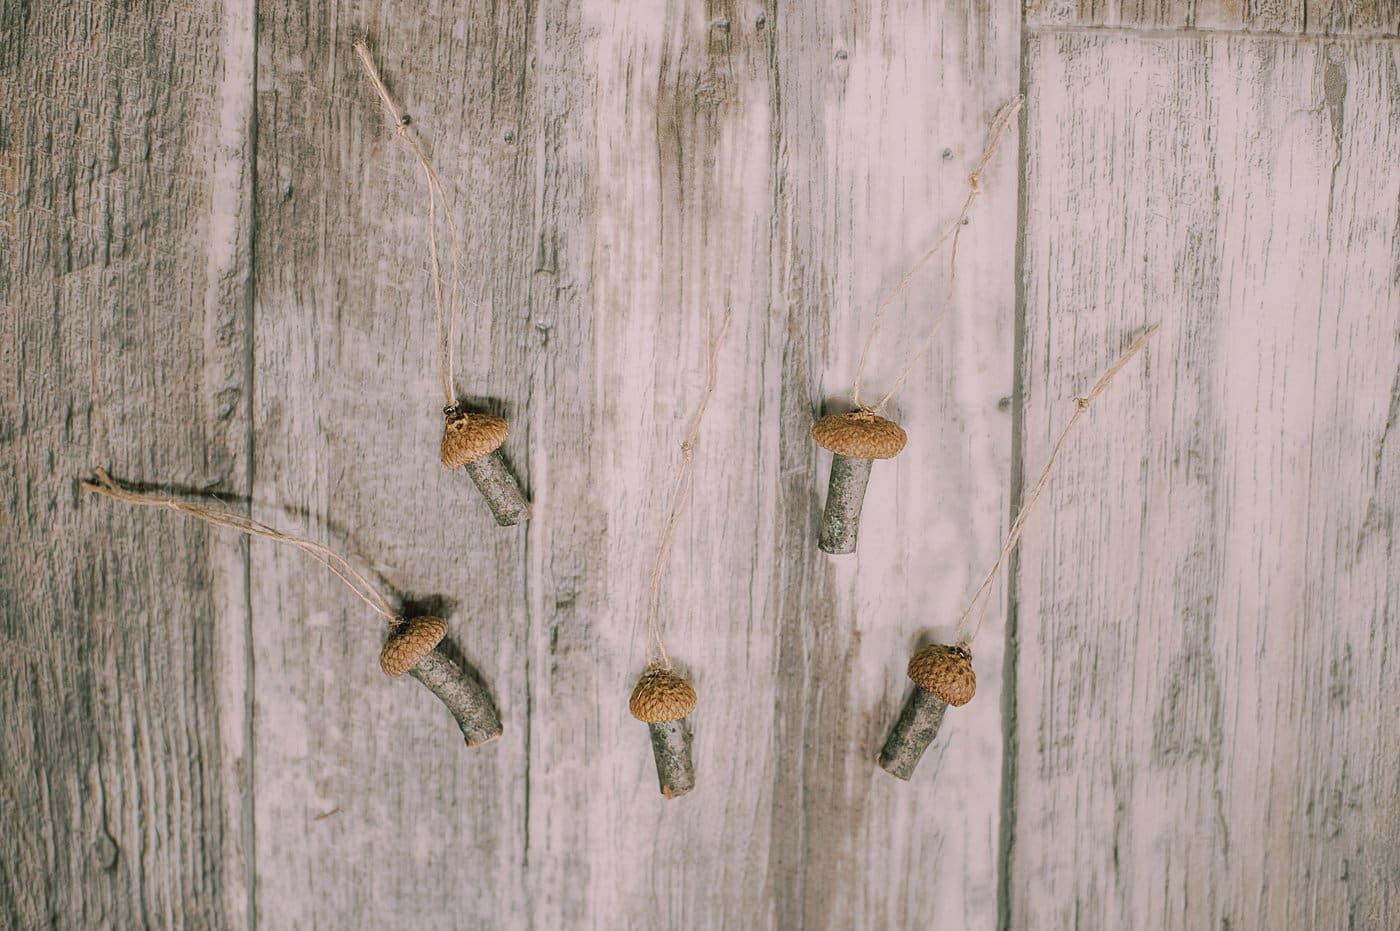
(660, 696)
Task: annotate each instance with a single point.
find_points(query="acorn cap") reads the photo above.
(859, 435)
(466, 437)
(660, 696)
(409, 642)
(945, 672)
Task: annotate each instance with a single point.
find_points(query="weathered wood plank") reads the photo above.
(124, 224)
(370, 809)
(1373, 18)
(657, 210)
(654, 217)
(659, 161)
(1207, 675)
(881, 115)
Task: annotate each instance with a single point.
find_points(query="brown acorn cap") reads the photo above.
(409, 642)
(466, 437)
(945, 671)
(859, 435)
(660, 696)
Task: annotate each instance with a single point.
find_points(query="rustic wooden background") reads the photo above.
(213, 270)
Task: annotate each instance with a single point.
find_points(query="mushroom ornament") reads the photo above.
(473, 441)
(942, 676)
(662, 699)
(412, 648)
(857, 438)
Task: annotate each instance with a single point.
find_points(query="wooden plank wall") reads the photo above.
(213, 269)
(1199, 698)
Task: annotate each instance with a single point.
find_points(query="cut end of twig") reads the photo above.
(491, 738)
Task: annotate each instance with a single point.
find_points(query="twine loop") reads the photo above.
(446, 306)
(1028, 501)
(680, 497)
(952, 235)
(338, 565)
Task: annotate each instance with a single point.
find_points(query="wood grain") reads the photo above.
(1207, 613)
(658, 162)
(1183, 722)
(1369, 18)
(124, 229)
(881, 115)
(370, 810)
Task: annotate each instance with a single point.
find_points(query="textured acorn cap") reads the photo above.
(409, 642)
(660, 695)
(945, 671)
(466, 437)
(859, 435)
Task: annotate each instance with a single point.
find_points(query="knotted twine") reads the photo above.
(219, 517)
(1000, 124)
(446, 312)
(680, 498)
(1028, 501)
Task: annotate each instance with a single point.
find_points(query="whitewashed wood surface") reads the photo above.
(1207, 628)
(214, 273)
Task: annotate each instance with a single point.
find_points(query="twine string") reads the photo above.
(953, 234)
(219, 517)
(679, 499)
(1081, 407)
(446, 309)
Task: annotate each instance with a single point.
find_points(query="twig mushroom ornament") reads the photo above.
(473, 441)
(412, 646)
(662, 699)
(858, 437)
(942, 676)
(942, 673)
(470, 440)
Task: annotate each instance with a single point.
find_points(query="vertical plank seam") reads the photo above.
(1006, 833)
(248, 800)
